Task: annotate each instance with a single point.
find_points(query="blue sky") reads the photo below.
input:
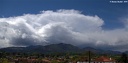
(109, 12)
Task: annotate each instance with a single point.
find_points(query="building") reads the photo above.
(104, 59)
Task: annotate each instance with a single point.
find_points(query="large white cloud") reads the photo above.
(67, 26)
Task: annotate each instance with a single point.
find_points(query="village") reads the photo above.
(67, 58)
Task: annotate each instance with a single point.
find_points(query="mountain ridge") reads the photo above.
(60, 47)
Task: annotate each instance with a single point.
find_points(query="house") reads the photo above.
(104, 59)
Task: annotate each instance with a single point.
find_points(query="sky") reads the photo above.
(96, 23)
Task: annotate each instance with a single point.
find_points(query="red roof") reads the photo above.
(104, 59)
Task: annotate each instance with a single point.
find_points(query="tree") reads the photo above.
(1, 55)
(124, 58)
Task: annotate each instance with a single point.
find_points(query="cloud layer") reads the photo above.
(65, 26)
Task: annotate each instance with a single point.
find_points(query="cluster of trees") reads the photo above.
(123, 58)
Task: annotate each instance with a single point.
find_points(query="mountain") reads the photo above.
(100, 51)
(61, 47)
(126, 52)
(12, 49)
(53, 48)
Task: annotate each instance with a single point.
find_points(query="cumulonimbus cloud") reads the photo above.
(65, 26)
